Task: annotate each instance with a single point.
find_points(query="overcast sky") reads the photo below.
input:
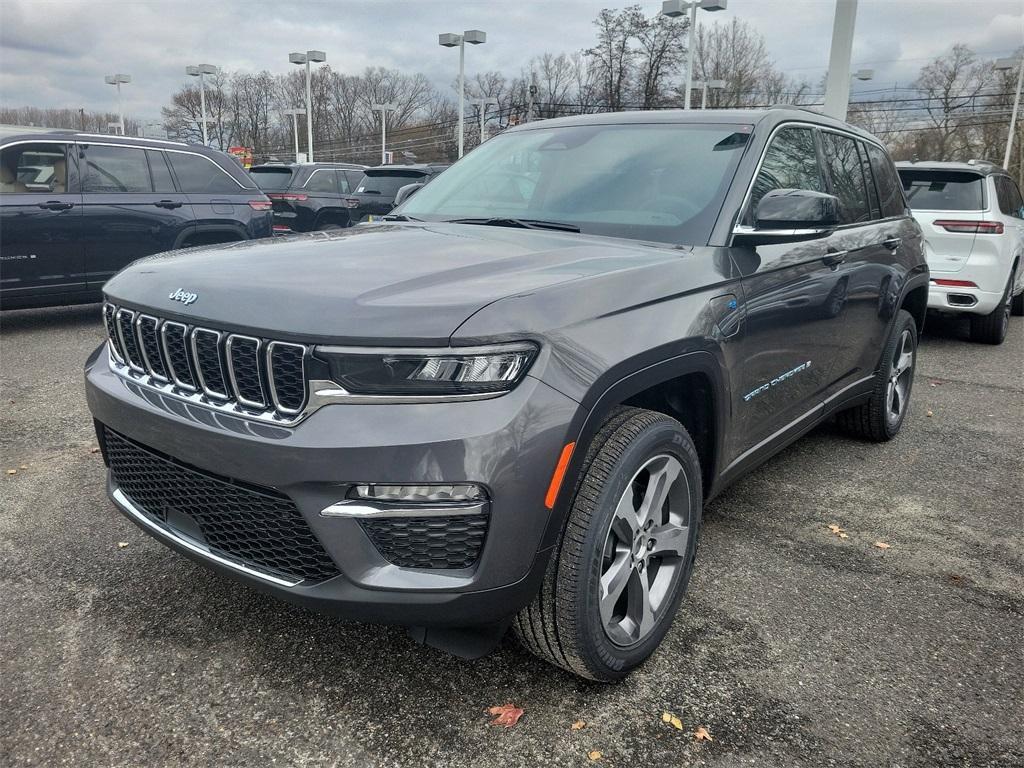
(56, 53)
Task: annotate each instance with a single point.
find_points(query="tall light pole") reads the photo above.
(482, 104)
(704, 85)
(676, 8)
(1009, 64)
(451, 40)
(199, 70)
(307, 58)
(384, 109)
(117, 80)
(295, 127)
(837, 83)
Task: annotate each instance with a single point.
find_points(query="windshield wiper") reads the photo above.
(503, 221)
(398, 217)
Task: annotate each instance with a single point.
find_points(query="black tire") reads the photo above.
(874, 419)
(992, 328)
(563, 625)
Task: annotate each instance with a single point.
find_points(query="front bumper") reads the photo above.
(508, 444)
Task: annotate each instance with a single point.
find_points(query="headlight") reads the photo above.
(478, 371)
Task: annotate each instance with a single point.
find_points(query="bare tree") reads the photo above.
(950, 86)
(613, 56)
(659, 54)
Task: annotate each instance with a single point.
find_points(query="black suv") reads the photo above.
(375, 195)
(309, 196)
(509, 405)
(75, 208)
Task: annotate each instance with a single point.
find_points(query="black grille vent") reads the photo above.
(257, 527)
(263, 378)
(286, 363)
(429, 542)
(150, 338)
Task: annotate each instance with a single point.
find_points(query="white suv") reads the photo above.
(972, 217)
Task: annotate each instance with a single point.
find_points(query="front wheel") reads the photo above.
(880, 418)
(613, 587)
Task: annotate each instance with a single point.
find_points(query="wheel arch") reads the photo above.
(914, 299)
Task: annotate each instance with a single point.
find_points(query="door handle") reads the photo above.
(167, 204)
(56, 205)
(834, 258)
(892, 243)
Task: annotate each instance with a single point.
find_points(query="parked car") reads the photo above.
(375, 195)
(75, 208)
(493, 411)
(972, 217)
(308, 196)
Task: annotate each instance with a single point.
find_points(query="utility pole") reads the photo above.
(837, 84)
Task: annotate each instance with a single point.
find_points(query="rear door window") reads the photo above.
(323, 181)
(943, 190)
(115, 169)
(847, 170)
(887, 182)
(791, 162)
(200, 175)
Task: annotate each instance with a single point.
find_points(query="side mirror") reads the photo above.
(404, 193)
(796, 209)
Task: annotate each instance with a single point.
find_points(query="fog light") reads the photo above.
(463, 492)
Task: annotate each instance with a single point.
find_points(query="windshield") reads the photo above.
(387, 183)
(659, 182)
(273, 179)
(943, 190)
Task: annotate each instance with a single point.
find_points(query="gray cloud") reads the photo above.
(56, 54)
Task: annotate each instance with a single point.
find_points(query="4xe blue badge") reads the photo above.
(183, 296)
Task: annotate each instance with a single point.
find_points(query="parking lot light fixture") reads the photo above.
(864, 74)
(200, 70)
(452, 40)
(676, 8)
(482, 104)
(307, 58)
(1008, 65)
(116, 80)
(384, 109)
(295, 127)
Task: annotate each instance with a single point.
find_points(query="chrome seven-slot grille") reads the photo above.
(259, 376)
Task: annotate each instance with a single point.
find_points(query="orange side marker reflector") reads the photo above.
(559, 474)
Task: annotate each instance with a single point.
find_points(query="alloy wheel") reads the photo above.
(900, 375)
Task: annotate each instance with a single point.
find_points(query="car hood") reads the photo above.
(408, 283)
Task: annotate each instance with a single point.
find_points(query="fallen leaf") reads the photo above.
(929, 414)
(594, 755)
(23, 466)
(507, 715)
(834, 528)
(94, 449)
(956, 578)
(883, 545)
(122, 544)
(844, 535)
(666, 717)
(701, 734)
(12, 471)
(579, 725)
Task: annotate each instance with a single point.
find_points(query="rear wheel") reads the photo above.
(880, 418)
(614, 585)
(992, 328)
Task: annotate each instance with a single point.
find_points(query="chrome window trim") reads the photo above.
(120, 334)
(165, 532)
(364, 510)
(270, 376)
(113, 339)
(167, 354)
(212, 393)
(318, 170)
(231, 370)
(142, 347)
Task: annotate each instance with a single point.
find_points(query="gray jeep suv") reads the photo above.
(507, 404)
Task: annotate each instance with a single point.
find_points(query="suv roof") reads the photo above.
(129, 141)
(419, 167)
(296, 166)
(980, 167)
(760, 118)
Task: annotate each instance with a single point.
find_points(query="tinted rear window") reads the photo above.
(387, 184)
(272, 179)
(943, 190)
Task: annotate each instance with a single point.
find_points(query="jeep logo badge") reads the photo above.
(183, 296)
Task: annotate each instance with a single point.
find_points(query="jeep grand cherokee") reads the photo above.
(508, 405)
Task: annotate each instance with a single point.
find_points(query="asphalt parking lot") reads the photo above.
(794, 647)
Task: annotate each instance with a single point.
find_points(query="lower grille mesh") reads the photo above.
(257, 527)
(429, 542)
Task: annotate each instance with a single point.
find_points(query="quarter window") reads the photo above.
(200, 175)
(791, 162)
(889, 189)
(115, 169)
(34, 168)
(1009, 197)
(844, 163)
